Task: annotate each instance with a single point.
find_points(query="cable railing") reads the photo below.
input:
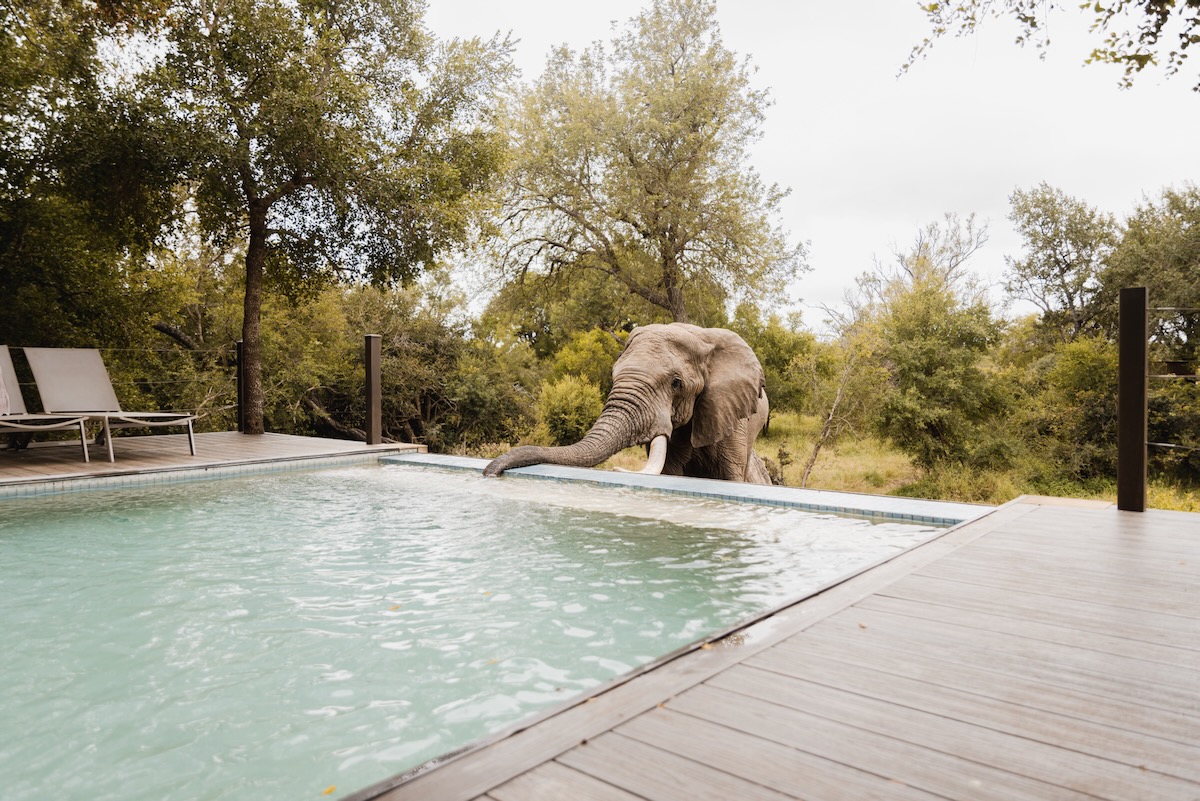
(372, 361)
(1133, 395)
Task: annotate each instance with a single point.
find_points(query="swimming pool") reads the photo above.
(281, 635)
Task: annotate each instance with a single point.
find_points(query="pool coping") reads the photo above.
(907, 510)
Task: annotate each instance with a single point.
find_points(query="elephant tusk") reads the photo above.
(658, 458)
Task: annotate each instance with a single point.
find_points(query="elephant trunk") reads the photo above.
(621, 425)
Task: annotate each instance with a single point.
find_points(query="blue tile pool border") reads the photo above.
(909, 510)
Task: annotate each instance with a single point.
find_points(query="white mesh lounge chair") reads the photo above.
(14, 418)
(75, 381)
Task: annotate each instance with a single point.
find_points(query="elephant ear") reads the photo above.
(735, 383)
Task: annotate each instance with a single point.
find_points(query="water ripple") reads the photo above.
(273, 636)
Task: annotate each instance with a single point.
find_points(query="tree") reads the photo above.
(1072, 416)
(332, 138)
(633, 161)
(778, 345)
(843, 378)
(1160, 250)
(1067, 244)
(1133, 30)
(935, 328)
(589, 355)
(85, 184)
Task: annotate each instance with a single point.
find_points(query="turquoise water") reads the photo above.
(273, 637)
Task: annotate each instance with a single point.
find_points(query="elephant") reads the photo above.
(697, 396)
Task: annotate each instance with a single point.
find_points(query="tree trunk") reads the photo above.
(674, 292)
(256, 260)
(825, 435)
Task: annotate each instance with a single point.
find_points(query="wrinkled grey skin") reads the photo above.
(701, 387)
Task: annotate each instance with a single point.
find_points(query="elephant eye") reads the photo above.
(676, 382)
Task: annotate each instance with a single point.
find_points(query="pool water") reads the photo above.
(278, 636)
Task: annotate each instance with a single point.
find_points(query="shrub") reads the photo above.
(566, 409)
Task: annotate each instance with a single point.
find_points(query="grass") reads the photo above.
(867, 464)
(863, 464)
(856, 464)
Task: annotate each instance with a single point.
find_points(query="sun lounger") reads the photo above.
(75, 381)
(15, 418)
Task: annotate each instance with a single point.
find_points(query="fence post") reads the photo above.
(241, 388)
(373, 359)
(1132, 399)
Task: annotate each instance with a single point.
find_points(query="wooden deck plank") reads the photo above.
(768, 762)
(1170, 532)
(552, 781)
(1094, 615)
(1062, 581)
(1179, 684)
(1127, 745)
(1052, 764)
(1088, 675)
(1152, 563)
(1045, 632)
(658, 775)
(980, 679)
(897, 766)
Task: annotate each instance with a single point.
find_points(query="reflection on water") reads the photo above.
(280, 635)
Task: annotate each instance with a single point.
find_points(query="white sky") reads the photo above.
(871, 157)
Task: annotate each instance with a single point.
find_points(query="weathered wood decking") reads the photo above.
(161, 452)
(1047, 651)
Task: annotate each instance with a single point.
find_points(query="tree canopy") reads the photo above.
(632, 160)
(334, 137)
(1067, 244)
(1133, 33)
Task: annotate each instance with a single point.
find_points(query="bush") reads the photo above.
(566, 409)
(590, 354)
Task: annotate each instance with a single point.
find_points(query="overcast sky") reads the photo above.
(871, 157)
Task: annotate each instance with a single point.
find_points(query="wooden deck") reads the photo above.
(1050, 650)
(163, 452)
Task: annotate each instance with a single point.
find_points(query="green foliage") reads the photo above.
(1133, 32)
(589, 355)
(491, 402)
(545, 311)
(361, 143)
(85, 186)
(1067, 244)
(1174, 419)
(935, 331)
(1160, 250)
(778, 345)
(634, 161)
(566, 409)
(1071, 415)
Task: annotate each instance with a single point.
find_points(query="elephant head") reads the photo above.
(695, 395)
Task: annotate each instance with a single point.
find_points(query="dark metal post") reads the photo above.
(1132, 399)
(241, 389)
(373, 360)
